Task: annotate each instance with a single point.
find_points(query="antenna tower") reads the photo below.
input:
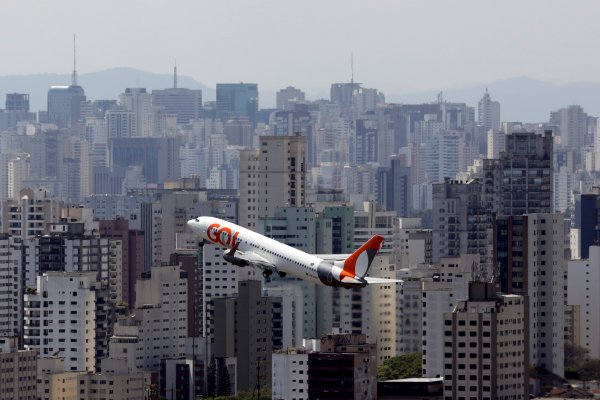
(175, 75)
(352, 67)
(74, 75)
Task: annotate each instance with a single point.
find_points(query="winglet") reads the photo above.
(358, 264)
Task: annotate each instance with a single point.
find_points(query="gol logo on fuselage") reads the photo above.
(221, 235)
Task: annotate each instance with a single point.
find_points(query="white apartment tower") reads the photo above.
(289, 374)
(11, 296)
(139, 102)
(157, 328)
(496, 142)
(583, 290)
(489, 113)
(439, 296)
(60, 318)
(282, 177)
(485, 346)
(249, 189)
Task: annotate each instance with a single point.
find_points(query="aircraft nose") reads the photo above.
(192, 223)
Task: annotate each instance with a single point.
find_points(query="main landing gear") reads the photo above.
(268, 272)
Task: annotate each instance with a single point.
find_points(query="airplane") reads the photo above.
(248, 248)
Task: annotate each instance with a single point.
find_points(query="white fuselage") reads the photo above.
(284, 258)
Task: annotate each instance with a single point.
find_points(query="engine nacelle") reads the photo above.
(235, 260)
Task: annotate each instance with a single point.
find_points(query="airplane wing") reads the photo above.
(373, 280)
(254, 259)
(332, 257)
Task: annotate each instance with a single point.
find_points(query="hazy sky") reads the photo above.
(398, 45)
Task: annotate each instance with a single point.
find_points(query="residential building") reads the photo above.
(520, 181)
(343, 358)
(496, 143)
(64, 317)
(583, 292)
(157, 328)
(139, 102)
(18, 371)
(460, 222)
(488, 113)
(486, 346)
(290, 374)
(12, 282)
(243, 329)
(572, 124)
(529, 254)
(439, 296)
(282, 176)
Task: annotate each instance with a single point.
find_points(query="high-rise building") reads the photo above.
(364, 142)
(529, 254)
(286, 98)
(343, 358)
(238, 99)
(281, 173)
(139, 103)
(520, 182)
(572, 123)
(11, 279)
(120, 123)
(17, 102)
(159, 157)
(395, 186)
(486, 346)
(583, 292)
(439, 296)
(488, 113)
(63, 317)
(496, 143)
(341, 94)
(31, 214)
(365, 100)
(585, 224)
(132, 254)
(18, 371)
(64, 105)
(243, 329)
(238, 132)
(186, 104)
(290, 374)
(460, 222)
(157, 328)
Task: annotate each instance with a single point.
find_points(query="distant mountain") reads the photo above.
(521, 99)
(106, 84)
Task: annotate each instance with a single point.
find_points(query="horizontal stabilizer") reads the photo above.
(371, 280)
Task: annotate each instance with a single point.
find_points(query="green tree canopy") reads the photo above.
(401, 367)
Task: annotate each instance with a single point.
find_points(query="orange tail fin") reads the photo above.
(358, 264)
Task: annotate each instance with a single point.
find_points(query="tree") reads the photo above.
(575, 355)
(589, 370)
(211, 378)
(401, 367)
(223, 380)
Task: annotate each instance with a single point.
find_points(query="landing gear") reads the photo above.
(281, 274)
(267, 273)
